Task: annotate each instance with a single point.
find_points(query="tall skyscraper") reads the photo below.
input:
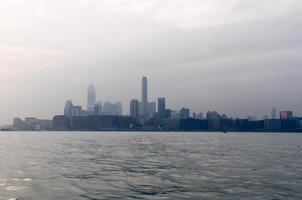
(68, 109)
(161, 107)
(91, 99)
(134, 108)
(144, 99)
(274, 113)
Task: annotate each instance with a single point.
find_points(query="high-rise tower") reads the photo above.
(91, 99)
(161, 107)
(144, 99)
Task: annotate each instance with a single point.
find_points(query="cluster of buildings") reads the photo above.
(31, 124)
(148, 115)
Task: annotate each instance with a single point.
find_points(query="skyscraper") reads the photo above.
(161, 107)
(134, 108)
(144, 99)
(91, 99)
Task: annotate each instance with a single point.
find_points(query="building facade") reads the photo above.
(144, 97)
(161, 107)
(134, 109)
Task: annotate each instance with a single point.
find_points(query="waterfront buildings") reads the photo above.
(94, 123)
(32, 124)
(143, 115)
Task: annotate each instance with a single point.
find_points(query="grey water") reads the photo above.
(137, 165)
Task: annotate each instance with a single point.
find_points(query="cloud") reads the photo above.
(203, 13)
(18, 57)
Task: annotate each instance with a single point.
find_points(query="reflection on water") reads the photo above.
(82, 165)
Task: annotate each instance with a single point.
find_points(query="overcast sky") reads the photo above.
(239, 57)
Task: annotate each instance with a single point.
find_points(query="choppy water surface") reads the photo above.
(85, 165)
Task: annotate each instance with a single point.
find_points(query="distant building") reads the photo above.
(184, 113)
(199, 116)
(19, 124)
(32, 124)
(112, 108)
(168, 114)
(144, 98)
(241, 124)
(272, 124)
(98, 108)
(214, 124)
(191, 124)
(134, 109)
(91, 99)
(194, 115)
(68, 109)
(151, 109)
(290, 124)
(252, 118)
(103, 122)
(286, 115)
(119, 108)
(61, 122)
(161, 107)
(170, 124)
(77, 111)
(174, 114)
(213, 115)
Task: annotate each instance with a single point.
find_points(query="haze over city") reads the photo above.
(237, 57)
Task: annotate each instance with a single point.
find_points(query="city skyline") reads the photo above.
(148, 115)
(92, 102)
(137, 109)
(236, 57)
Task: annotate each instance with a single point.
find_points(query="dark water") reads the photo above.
(54, 165)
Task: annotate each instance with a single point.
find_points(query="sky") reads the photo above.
(239, 57)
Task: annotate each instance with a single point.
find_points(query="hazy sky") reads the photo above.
(239, 57)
